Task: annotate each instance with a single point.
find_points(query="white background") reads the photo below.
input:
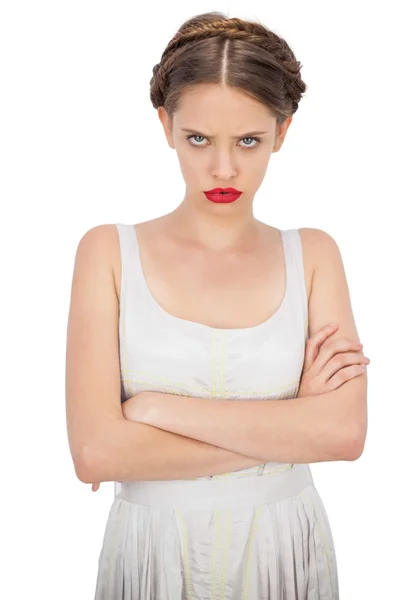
(81, 145)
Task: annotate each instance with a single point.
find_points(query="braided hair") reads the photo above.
(212, 48)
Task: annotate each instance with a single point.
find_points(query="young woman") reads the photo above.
(203, 375)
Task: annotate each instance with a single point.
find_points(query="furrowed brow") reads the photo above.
(248, 134)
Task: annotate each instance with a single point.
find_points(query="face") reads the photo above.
(217, 150)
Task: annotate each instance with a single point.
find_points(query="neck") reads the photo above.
(218, 230)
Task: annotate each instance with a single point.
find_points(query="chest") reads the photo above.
(238, 290)
(194, 325)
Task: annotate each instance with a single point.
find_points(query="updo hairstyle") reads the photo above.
(246, 55)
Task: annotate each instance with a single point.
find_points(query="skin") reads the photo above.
(223, 114)
(224, 161)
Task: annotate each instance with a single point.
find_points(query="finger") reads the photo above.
(342, 361)
(344, 375)
(334, 348)
(314, 343)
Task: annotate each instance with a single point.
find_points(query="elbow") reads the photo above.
(353, 448)
(98, 459)
(85, 468)
(359, 439)
(358, 449)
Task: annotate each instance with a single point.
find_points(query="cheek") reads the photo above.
(262, 165)
(191, 164)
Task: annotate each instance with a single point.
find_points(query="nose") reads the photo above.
(224, 167)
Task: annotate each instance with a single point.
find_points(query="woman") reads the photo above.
(210, 320)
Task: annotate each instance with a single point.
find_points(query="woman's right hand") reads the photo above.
(329, 363)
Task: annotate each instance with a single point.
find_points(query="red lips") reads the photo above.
(219, 190)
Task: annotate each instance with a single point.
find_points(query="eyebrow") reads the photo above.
(248, 134)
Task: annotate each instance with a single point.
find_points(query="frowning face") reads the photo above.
(223, 139)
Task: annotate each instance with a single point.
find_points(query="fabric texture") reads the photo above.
(260, 533)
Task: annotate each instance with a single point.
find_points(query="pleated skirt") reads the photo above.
(252, 538)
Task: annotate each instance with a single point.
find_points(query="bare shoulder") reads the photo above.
(104, 240)
(314, 237)
(329, 300)
(313, 241)
(309, 242)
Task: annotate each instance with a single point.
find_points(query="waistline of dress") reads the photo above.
(219, 493)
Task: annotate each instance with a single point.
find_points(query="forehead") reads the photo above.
(210, 107)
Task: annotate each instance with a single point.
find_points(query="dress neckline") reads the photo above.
(204, 326)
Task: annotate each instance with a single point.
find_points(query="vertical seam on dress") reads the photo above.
(185, 554)
(216, 544)
(250, 542)
(320, 529)
(224, 565)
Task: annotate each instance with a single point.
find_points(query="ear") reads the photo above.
(167, 125)
(281, 133)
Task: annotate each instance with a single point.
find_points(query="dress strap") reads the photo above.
(130, 266)
(295, 270)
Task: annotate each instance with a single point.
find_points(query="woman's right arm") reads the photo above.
(103, 444)
(136, 451)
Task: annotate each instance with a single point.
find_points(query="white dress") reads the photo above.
(260, 533)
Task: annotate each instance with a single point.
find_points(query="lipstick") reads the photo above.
(222, 195)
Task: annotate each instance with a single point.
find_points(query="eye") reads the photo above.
(257, 139)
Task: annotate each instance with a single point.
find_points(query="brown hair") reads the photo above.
(212, 48)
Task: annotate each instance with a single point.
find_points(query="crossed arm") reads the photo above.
(166, 436)
(296, 430)
(325, 427)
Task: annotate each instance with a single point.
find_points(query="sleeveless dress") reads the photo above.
(260, 533)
